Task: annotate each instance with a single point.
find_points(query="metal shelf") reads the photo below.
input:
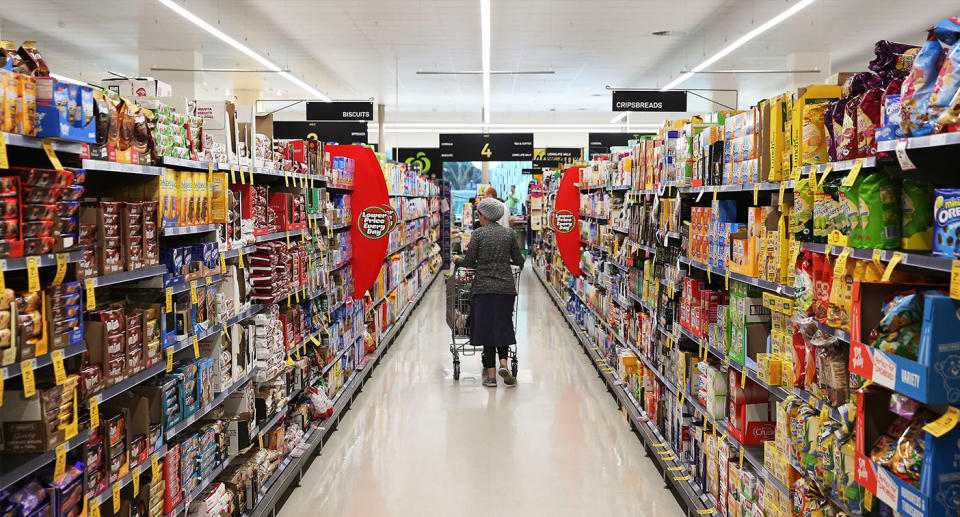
(184, 163)
(32, 142)
(918, 260)
(170, 231)
(204, 409)
(917, 142)
(50, 259)
(13, 370)
(14, 467)
(185, 286)
(201, 486)
(187, 341)
(128, 276)
(272, 421)
(122, 168)
(142, 467)
(756, 282)
(233, 253)
(278, 235)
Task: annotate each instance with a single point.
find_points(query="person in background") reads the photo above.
(491, 251)
(504, 219)
(512, 200)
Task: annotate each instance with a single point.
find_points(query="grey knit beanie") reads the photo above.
(491, 209)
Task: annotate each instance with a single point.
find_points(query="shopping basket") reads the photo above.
(458, 287)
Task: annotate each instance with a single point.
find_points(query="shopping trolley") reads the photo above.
(458, 285)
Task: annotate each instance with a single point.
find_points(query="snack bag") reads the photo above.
(893, 58)
(838, 314)
(916, 209)
(850, 206)
(917, 87)
(946, 223)
(814, 134)
(822, 279)
(898, 332)
(847, 146)
(908, 459)
(868, 120)
(833, 378)
(879, 202)
(803, 197)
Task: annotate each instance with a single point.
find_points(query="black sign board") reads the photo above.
(340, 110)
(340, 132)
(553, 157)
(475, 147)
(531, 171)
(427, 157)
(649, 100)
(600, 143)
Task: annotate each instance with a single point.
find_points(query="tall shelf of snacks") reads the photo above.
(767, 294)
(177, 330)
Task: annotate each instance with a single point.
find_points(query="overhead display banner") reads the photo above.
(497, 147)
(428, 158)
(340, 110)
(600, 143)
(374, 218)
(649, 100)
(339, 132)
(565, 220)
(552, 157)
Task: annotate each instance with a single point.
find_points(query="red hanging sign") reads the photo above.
(565, 220)
(373, 217)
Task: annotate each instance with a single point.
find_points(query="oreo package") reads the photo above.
(946, 223)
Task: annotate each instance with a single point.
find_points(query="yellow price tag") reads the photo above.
(61, 463)
(877, 257)
(116, 497)
(135, 480)
(726, 280)
(208, 280)
(715, 189)
(3, 280)
(193, 292)
(286, 178)
(223, 265)
(851, 177)
(48, 148)
(169, 359)
(59, 373)
(840, 265)
(289, 360)
(706, 511)
(1, 378)
(741, 458)
(209, 167)
(756, 193)
(722, 438)
(897, 257)
(155, 466)
(797, 172)
(94, 507)
(61, 269)
(681, 478)
(243, 180)
(33, 275)
(826, 172)
(260, 440)
(168, 299)
(955, 280)
(315, 339)
(683, 396)
(94, 412)
(240, 258)
(233, 175)
(944, 424)
(250, 172)
(91, 294)
(196, 347)
(661, 444)
(29, 384)
(4, 161)
(743, 379)
(709, 271)
(670, 458)
(674, 469)
(296, 353)
(780, 198)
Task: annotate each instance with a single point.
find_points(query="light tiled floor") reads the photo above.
(418, 443)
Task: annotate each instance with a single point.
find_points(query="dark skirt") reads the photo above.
(491, 320)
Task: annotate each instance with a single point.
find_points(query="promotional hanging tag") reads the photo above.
(61, 269)
(51, 155)
(26, 372)
(33, 275)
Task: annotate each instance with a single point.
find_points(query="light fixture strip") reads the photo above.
(769, 24)
(485, 56)
(199, 22)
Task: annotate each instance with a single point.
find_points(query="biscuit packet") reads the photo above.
(946, 223)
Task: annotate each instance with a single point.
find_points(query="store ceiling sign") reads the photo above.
(375, 217)
(552, 157)
(338, 132)
(650, 100)
(565, 220)
(340, 110)
(601, 143)
(475, 147)
(427, 157)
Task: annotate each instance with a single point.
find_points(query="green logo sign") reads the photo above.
(422, 159)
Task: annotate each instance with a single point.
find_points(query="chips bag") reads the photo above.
(879, 202)
(917, 87)
(868, 120)
(916, 209)
(898, 331)
(814, 135)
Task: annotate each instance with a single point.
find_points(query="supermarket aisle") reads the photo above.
(417, 443)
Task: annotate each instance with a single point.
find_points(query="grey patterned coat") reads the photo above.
(491, 251)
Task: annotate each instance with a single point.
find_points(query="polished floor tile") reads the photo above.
(418, 443)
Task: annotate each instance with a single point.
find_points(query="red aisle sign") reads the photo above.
(373, 217)
(565, 220)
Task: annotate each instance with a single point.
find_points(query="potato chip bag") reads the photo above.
(916, 209)
(814, 134)
(917, 87)
(879, 202)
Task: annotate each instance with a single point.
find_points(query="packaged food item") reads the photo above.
(879, 201)
(868, 120)
(802, 221)
(946, 223)
(850, 205)
(803, 281)
(893, 58)
(898, 331)
(917, 87)
(833, 378)
(916, 209)
(814, 134)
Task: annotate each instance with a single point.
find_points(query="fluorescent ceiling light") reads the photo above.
(68, 79)
(196, 20)
(619, 117)
(739, 42)
(485, 56)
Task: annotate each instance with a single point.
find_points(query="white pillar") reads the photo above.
(184, 84)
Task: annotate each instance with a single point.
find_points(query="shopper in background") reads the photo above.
(491, 251)
(512, 200)
(504, 220)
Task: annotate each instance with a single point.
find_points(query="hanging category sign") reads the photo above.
(565, 220)
(553, 157)
(601, 143)
(338, 132)
(428, 158)
(650, 100)
(476, 147)
(373, 219)
(340, 110)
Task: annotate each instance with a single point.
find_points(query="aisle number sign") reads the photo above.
(475, 147)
